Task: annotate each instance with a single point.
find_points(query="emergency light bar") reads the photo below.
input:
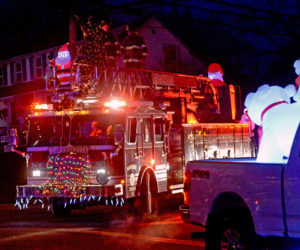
(43, 106)
(115, 104)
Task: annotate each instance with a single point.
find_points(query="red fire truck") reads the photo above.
(108, 138)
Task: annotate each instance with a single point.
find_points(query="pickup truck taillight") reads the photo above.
(187, 186)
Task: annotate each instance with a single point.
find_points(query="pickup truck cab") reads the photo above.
(238, 199)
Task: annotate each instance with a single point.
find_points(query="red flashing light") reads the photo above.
(43, 106)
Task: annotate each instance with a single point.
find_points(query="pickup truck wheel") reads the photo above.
(58, 208)
(232, 231)
(147, 204)
(231, 239)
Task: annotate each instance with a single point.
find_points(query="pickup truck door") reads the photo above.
(292, 189)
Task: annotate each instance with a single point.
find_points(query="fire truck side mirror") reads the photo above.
(10, 140)
(118, 134)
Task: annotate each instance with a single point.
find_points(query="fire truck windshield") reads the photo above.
(85, 130)
(48, 131)
(95, 129)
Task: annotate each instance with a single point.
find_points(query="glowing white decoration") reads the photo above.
(296, 97)
(290, 89)
(269, 107)
(297, 66)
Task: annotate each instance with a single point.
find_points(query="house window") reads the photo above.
(1, 75)
(170, 58)
(19, 72)
(39, 67)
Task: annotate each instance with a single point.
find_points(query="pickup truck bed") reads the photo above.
(248, 197)
(258, 184)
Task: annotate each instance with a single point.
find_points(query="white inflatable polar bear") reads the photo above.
(290, 89)
(269, 107)
(297, 66)
(296, 97)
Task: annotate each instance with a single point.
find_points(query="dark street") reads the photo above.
(95, 228)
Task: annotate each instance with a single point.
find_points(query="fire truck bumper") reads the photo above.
(86, 191)
(185, 213)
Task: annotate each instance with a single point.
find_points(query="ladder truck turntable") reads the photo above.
(147, 136)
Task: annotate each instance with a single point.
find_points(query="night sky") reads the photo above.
(256, 41)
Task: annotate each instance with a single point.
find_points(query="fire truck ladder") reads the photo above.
(87, 80)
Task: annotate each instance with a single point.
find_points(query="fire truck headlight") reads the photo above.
(101, 171)
(36, 173)
(102, 176)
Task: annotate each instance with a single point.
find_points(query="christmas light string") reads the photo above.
(67, 175)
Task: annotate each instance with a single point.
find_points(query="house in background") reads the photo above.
(165, 51)
(22, 78)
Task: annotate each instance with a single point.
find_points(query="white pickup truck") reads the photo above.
(240, 199)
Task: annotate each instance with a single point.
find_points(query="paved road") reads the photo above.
(94, 228)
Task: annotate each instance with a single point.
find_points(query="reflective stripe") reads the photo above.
(133, 47)
(177, 191)
(64, 75)
(132, 60)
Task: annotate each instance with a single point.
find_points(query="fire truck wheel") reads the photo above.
(58, 208)
(148, 201)
(233, 230)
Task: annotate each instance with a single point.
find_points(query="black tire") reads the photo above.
(232, 230)
(58, 208)
(147, 203)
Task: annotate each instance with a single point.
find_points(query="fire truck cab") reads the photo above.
(127, 158)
